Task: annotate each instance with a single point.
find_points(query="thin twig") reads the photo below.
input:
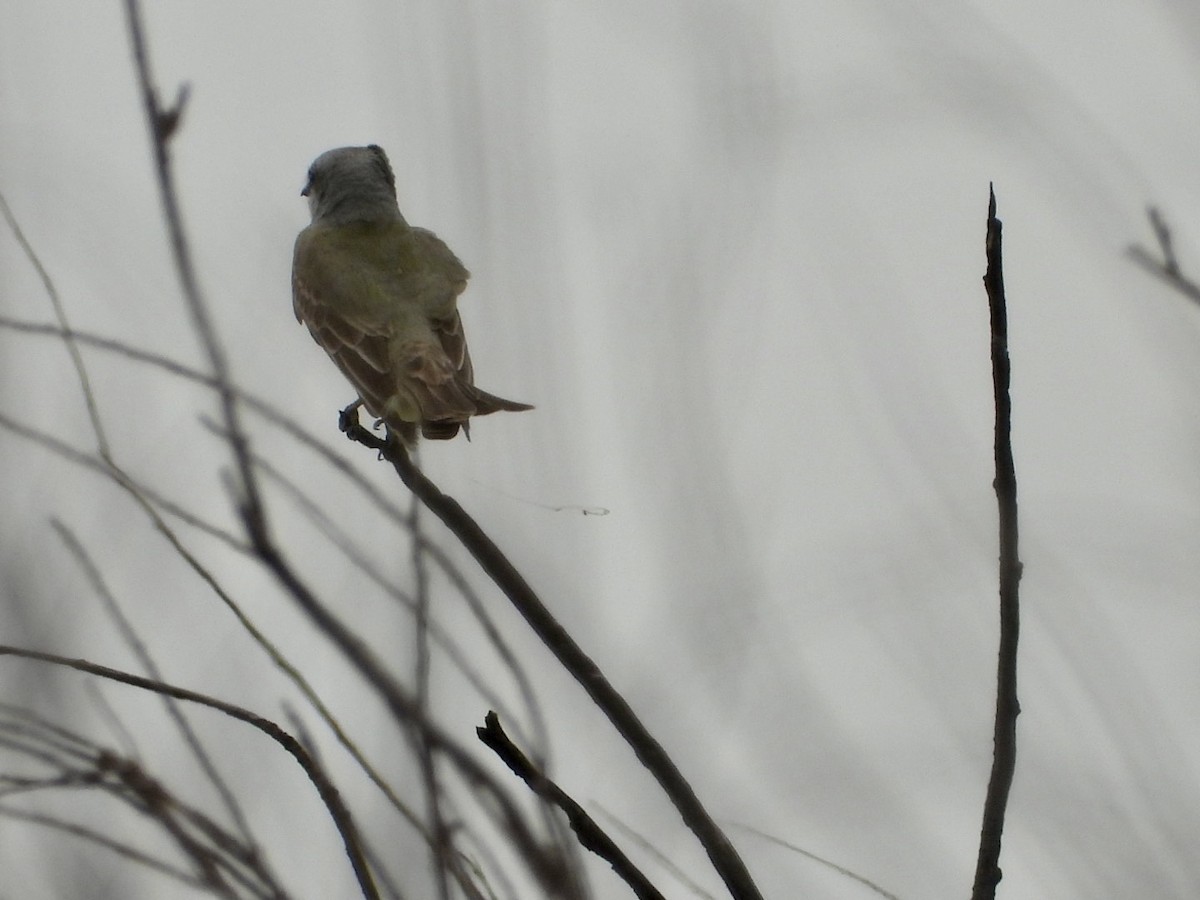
(316, 774)
(103, 840)
(134, 642)
(219, 858)
(398, 700)
(305, 737)
(1165, 265)
(162, 123)
(486, 868)
(52, 739)
(828, 863)
(1004, 758)
(721, 852)
(294, 431)
(109, 465)
(495, 799)
(61, 315)
(356, 556)
(674, 870)
(114, 721)
(590, 835)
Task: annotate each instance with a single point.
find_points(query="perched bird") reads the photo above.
(380, 296)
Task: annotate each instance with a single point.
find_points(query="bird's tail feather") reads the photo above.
(486, 403)
(444, 411)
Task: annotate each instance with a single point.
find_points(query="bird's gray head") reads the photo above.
(352, 184)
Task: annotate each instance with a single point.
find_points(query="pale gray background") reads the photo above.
(733, 253)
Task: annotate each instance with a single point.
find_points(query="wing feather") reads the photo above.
(410, 366)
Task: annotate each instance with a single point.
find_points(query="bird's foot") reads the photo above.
(348, 418)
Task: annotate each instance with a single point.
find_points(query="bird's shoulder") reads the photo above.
(394, 248)
(435, 250)
(384, 244)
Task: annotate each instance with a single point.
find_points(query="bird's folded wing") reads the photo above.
(426, 378)
(450, 334)
(360, 349)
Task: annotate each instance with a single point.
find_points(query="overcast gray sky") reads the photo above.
(732, 252)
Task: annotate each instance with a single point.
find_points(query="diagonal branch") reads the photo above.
(721, 852)
(590, 835)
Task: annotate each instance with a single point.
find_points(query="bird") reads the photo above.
(380, 296)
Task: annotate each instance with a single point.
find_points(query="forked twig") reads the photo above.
(1164, 266)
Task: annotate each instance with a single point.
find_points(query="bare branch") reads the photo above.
(103, 840)
(134, 642)
(1164, 266)
(60, 314)
(590, 835)
(721, 852)
(162, 123)
(221, 861)
(808, 854)
(1004, 758)
(316, 774)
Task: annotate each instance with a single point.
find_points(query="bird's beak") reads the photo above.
(307, 190)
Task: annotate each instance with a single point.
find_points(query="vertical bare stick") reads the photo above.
(1004, 740)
